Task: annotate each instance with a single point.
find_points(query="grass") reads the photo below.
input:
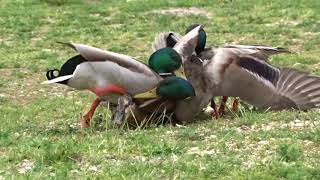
(39, 133)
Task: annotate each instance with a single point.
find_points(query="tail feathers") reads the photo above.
(301, 88)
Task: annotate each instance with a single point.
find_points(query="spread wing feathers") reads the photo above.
(95, 54)
(166, 39)
(259, 51)
(300, 87)
(260, 68)
(291, 88)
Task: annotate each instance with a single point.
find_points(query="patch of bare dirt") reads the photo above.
(3, 152)
(285, 23)
(264, 151)
(198, 151)
(294, 125)
(25, 166)
(184, 12)
(25, 90)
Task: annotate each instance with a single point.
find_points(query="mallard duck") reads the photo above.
(237, 72)
(166, 62)
(242, 71)
(194, 71)
(259, 51)
(105, 73)
(169, 39)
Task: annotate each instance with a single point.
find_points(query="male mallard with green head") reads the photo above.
(105, 73)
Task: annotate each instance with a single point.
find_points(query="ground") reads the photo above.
(40, 134)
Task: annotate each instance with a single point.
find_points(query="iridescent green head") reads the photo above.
(201, 40)
(175, 88)
(172, 87)
(165, 60)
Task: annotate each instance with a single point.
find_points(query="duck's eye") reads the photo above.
(51, 74)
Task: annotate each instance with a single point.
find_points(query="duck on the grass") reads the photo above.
(107, 74)
(243, 71)
(168, 39)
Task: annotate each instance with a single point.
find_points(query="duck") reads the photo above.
(110, 75)
(167, 62)
(240, 72)
(260, 51)
(235, 73)
(186, 109)
(169, 39)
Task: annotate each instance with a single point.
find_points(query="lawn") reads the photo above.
(40, 136)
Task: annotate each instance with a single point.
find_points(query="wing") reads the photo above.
(95, 54)
(263, 85)
(166, 39)
(258, 51)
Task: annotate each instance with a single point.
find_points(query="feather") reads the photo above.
(95, 54)
(166, 39)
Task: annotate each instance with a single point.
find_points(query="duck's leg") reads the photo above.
(222, 110)
(235, 104)
(99, 91)
(87, 118)
(214, 107)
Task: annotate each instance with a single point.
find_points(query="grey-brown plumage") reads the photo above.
(166, 39)
(235, 73)
(243, 71)
(187, 109)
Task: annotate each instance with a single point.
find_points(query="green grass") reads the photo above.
(39, 133)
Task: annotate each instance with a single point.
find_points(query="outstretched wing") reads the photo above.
(263, 85)
(258, 51)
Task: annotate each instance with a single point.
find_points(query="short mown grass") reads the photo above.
(40, 136)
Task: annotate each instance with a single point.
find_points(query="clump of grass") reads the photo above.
(289, 152)
(56, 2)
(18, 74)
(2, 65)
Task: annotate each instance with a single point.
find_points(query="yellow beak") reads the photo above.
(147, 95)
(180, 73)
